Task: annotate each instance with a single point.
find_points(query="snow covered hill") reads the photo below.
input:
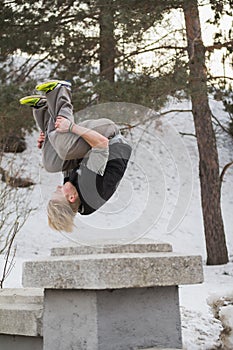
(160, 199)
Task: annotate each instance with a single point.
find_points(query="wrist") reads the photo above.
(71, 127)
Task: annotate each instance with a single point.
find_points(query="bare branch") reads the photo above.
(151, 47)
(176, 111)
(219, 46)
(7, 269)
(227, 166)
(187, 134)
(220, 77)
(220, 124)
(15, 203)
(32, 67)
(20, 69)
(152, 116)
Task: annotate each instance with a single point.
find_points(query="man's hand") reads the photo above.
(92, 137)
(62, 124)
(40, 140)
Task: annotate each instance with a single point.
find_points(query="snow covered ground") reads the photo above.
(160, 199)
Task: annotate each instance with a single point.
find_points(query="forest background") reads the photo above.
(114, 51)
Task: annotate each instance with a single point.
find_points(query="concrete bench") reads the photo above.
(21, 316)
(112, 297)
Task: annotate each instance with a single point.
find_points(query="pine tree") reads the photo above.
(67, 35)
(208, 155)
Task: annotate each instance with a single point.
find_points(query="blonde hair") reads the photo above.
(61, 214)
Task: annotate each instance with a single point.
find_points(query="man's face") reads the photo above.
(67, 190)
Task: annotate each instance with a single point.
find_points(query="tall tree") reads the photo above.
(107, 50)
(67, 34)
(208, 155)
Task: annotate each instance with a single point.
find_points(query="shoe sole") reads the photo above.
(31, 100)
(51, 85)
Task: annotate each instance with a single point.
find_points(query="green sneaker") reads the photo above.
(35, 101)
(53, 84)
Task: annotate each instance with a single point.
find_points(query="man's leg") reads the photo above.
(68, 145)
(45, 121)
(51, 161)
(42, 116)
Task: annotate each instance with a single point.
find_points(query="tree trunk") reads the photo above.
(208, 155)
(107, 41)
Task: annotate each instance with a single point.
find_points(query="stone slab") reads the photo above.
(21, 296)
(140, 246)
(21, 319)
(21, 311)
(112, 271)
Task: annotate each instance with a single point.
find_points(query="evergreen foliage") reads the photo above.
(64, 39)
(14, 120)
(95, 44)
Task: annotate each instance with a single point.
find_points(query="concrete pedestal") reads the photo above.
(120, 319)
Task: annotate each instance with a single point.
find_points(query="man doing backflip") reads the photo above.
(92, 155)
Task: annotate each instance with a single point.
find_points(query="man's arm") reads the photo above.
(92, 137)
(98, 157)
(40, 140)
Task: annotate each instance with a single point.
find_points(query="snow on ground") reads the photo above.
(171, 195)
